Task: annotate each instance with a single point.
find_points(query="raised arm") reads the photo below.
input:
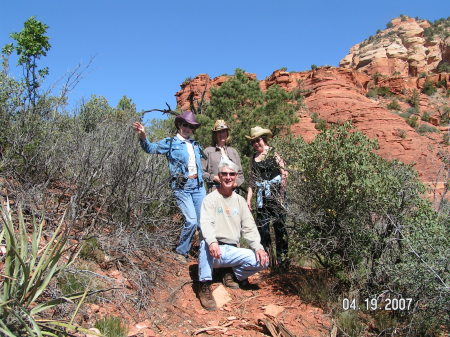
(140, 130)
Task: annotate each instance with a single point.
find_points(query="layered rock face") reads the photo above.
(401, 50)
(337, 95)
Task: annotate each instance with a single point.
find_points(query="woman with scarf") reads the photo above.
(268, 181)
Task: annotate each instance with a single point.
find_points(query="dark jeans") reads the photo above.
(277, 216)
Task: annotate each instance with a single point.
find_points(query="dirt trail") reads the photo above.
(272, 305)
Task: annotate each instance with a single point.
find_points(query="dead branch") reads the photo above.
(275, 327)
(167, 111)
(171, 297)
(211, 328)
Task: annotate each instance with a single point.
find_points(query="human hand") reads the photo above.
(214, 250)
(262, 257)
(140, 129)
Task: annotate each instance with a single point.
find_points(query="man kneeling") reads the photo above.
(224, 216)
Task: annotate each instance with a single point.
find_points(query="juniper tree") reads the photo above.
(243, 105)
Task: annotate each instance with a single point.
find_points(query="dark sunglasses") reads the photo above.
(256, 140)
(231, 174)
(187, 125)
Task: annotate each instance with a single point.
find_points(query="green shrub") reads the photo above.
(384, 91)
(91, 251)
(111, 326)
(313, 67)
(401, 133)
(414, 100)
(394, 105)
(405, 114)
(186, 81)
(446, 139)
(444, 67)
(350, 324)
(441, 83)
(424, 128)
(376, 77)
(445, 116)
(429, 88)
(363, 219)
(422, 75)
(242, 104)
(321, 125)
(412, 121)
(412, 111)
(425, 116)
(372, 93)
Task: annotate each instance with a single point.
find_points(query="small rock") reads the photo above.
(221, 296)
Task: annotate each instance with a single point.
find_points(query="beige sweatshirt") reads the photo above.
(226, 219)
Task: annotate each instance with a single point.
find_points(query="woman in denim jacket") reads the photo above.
(184, 158)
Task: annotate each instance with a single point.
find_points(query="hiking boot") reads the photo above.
(206, 297)
(229, 281)
(181, 258)
(246, 285)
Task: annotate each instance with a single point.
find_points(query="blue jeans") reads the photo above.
(189, 200)
(242, 260)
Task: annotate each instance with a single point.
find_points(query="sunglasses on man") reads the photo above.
(231, 174)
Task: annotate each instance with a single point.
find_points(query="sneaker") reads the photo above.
(229, 281)
(206, 297)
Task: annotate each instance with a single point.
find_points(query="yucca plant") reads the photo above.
(30, 264)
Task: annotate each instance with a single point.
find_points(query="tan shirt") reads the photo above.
(210, 165)
(226, 219)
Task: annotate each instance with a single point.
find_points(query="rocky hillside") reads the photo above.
(396, 64)
(408, 47)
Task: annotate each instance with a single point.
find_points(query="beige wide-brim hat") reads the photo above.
(220, 125)
(258, 131)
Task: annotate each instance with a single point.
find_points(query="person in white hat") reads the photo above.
(220, 150)
(184, 158)
(268, 180)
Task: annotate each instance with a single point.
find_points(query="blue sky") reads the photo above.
(145, 49)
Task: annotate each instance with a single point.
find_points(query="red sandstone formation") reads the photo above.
(401, 49)
(339, 94)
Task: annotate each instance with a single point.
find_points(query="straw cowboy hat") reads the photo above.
(220, 125)
(258, 131)
(188, 117)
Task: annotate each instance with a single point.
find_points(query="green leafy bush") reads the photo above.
(429, 88)
(425, 116)
(356, 214)
(412, 121)
(446, 139)
(414, 100)
(111, 326)
(243, 105)
(445, 115)
(444, 67)
(424, 128)
(394, 105)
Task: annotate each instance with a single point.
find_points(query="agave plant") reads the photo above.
(29, 266)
